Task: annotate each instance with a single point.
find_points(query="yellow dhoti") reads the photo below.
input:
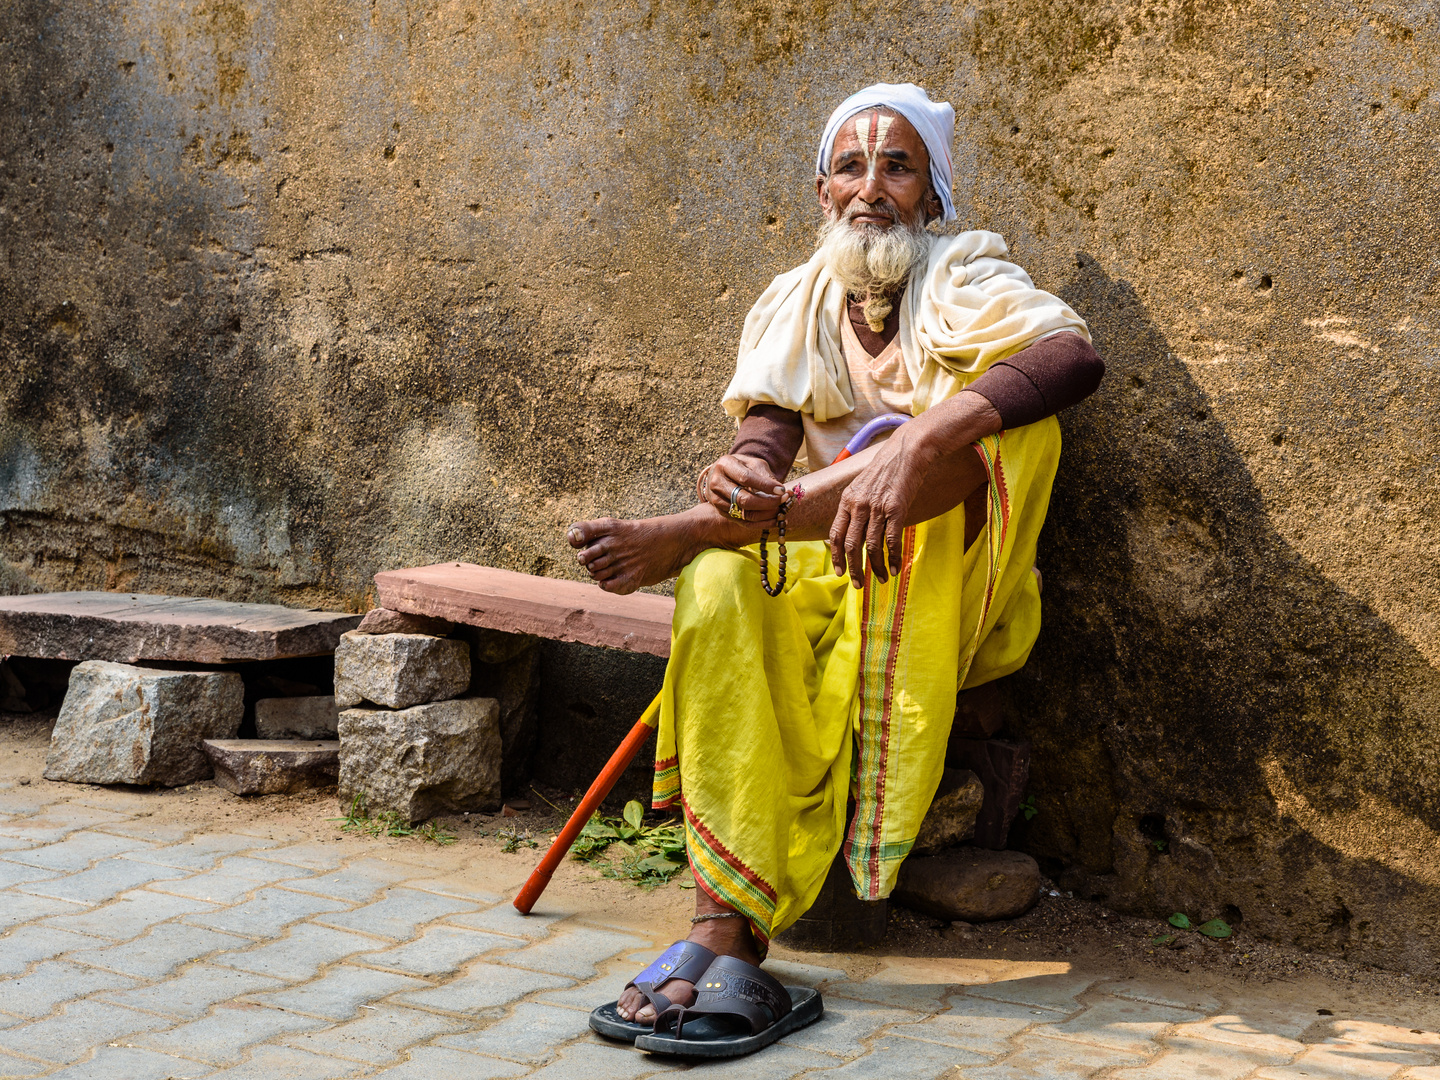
(776, 710)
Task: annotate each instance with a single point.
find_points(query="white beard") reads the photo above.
(872, 262)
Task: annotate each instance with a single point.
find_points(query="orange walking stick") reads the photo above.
(541, 875)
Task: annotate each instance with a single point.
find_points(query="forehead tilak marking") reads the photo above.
(862, 133)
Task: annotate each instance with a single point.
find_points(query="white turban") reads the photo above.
(934, 120)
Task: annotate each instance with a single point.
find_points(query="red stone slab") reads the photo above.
(526, 604)
(128, 627)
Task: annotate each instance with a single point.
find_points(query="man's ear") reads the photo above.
(822, 192)
(933, 207)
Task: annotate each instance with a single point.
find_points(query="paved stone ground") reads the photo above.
(143, 951)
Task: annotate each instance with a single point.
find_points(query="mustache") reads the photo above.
(880, 206)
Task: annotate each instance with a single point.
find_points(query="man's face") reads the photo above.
(880, 160)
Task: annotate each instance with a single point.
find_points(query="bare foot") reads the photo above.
(724, 937)
(624, 555)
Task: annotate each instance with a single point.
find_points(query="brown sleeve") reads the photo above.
(1052, 374)
(772, 434)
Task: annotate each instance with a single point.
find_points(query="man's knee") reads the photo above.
(713, 585)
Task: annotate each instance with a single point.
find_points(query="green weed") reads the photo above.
(388, 823)
(626, 849)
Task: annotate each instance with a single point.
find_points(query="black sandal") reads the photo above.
(683, 960)
(738, 1009)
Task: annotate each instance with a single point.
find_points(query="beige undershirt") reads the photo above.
(879, 385)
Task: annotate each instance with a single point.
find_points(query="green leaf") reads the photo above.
(1216, 928)
(1163, 939)
(1181, 921)
(634, 814)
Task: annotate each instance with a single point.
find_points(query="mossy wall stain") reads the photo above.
(293, 292)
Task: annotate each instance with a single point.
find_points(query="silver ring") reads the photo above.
(736, 511)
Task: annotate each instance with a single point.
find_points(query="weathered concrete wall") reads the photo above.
(294, 291)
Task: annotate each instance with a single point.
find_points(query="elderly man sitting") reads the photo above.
(814, 721)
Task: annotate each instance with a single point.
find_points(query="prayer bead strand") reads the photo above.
(779, 586)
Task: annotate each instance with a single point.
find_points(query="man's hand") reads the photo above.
(874, 508)
(760, 492)
(869, 526)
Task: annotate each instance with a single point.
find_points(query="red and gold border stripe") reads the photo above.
(728, 880)
(666, 789)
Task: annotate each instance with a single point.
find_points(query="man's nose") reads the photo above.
(870, 190)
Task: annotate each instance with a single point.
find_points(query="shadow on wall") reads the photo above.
(1218, 728)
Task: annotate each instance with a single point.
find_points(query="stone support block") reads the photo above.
(399, 670)
(419, 761)
(972, 884)
(1004, 770)
(121, 724)
(297, 718)
(384, 621)
(951, 817)
(273, 766)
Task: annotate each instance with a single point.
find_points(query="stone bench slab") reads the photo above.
(131, 627)
(526, 604)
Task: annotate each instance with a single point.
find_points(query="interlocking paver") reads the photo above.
(504, 919)
(484, 986)
(916, 984)
(1190, 1059)
(311, 855)
(449, 886)
(399, 914)
(440, 950)
(150, 831)
(794, 973)
(776, 1062)
(10, 843)
(847, 1026)
(597, 991)
(1177, 996)
(435, 1062)
(159, 952)
(193, 991)
(893, 1057)
(14, 1068)
(1392, 1035)
(532, 1033)
(17, 908)
(53, 983)
(201, 852)
(301, 955)
(1250, 1031)
(1341, 1059)
(224, 1037)
(15, 800)
(130, 1063)
(213, 888)
(129, 915)
(1038, 1056)
(273, 1062)
(267, 913)
(13, 873)
(378, 1036)
(978, 1024)
(1121, 1024)
(340, 994)
(102, 881)
(71, 1035)
(56, 822)
(360, 880)
(77, 851)
(591, 1061)
(23, 947)
(573, 952)
(1056, 991)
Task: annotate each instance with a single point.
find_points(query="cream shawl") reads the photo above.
(966, 308)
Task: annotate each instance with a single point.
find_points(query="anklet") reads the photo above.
(716, 915)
